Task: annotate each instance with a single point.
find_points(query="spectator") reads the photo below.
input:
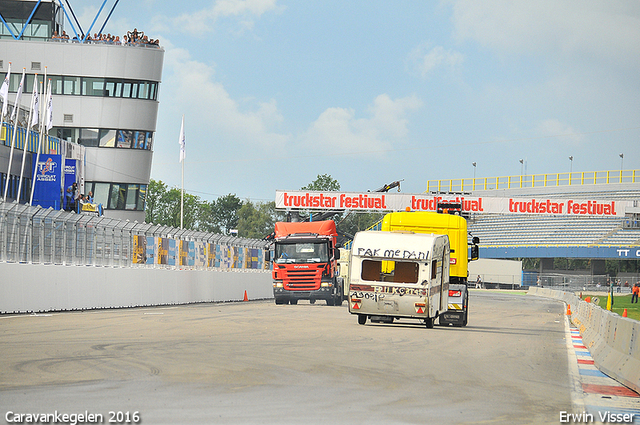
(634, 294)
(479, 282)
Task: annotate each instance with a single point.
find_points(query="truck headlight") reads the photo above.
(277, 284)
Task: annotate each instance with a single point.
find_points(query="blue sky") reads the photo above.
(276, 92)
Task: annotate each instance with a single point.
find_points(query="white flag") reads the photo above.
(4, 92)
(48, 119)
(16, 106)
(35, 103)
(182, 141)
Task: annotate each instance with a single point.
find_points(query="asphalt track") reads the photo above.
(255, 362)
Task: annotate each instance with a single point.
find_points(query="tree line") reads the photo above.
(251, 219)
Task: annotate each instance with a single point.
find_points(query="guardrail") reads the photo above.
(613, 341)
(534, 180)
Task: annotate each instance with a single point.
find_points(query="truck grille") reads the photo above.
(302, 280)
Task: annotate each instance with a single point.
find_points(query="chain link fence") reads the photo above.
(588, 283)
(47, 236)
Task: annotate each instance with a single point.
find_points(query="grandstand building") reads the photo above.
(548, 236)
(105, 103)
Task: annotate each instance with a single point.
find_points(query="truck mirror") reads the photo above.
(336, 253)
(267, 255)
(474, 252)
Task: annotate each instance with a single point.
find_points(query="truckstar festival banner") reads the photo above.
(375, 201)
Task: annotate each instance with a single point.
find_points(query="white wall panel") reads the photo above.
(38, 288)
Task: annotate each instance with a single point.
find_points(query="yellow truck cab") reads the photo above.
(455, 227)
(398, 275)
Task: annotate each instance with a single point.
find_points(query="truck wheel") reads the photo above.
(279, 302)
(312, 301)
(428, 322)
(331, 301)
(338, 300)
(362, 319)
(293, 302)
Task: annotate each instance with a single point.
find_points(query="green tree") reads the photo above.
(163, 206)
(254, 221)
(155, 191)
(357, 221)
(225, 212)
(324, 182)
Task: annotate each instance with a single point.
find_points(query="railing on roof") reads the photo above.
(534, 180)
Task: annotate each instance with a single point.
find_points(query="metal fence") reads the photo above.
(592, 283)
(47, 236)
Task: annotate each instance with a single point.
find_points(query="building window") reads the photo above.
(100, 193)
(56, 84)
(71, 85)
(88, 137)
(118, 196)
(90, 86)
(107, 138)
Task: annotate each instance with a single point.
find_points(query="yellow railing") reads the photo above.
(534, 180)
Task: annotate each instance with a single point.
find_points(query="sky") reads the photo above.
(276, 92)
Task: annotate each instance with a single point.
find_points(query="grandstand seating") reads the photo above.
(534, 230)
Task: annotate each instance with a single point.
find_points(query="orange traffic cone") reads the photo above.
(245, 296)
(588, 299)
(624, 313)
(568, 309)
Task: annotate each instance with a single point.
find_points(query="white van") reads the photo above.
(396, 275)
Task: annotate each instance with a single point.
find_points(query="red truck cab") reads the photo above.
(305, 263)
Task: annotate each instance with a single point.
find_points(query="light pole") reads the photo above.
(474, 170)
(521, 167)
(571, 167)
(621, 162)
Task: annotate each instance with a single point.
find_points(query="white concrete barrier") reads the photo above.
(613, 341)
(38, 288)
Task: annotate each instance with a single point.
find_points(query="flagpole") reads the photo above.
(182, 198)
(15, 132)
(34, 105)
(43, 125)
(4, 92)
(182, 156)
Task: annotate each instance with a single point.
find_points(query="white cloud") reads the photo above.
(192, 87)
(202, 21)
(339, 130)
(425, 58)
(594, 30)
(560, 131)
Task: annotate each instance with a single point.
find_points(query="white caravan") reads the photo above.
(396, 275)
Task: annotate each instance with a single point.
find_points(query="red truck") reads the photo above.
(305, 263)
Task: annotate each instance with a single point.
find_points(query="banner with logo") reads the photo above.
(376, 201)
(48, 183)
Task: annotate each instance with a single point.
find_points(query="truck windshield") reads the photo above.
(302, 253)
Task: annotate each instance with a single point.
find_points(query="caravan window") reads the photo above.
(393, 271)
